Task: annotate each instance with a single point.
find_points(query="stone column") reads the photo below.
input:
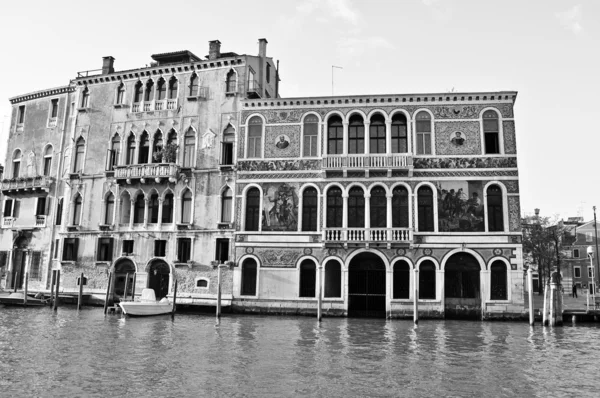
(160, 210)
(367, 138)
(131, 212)
(388, 137)
(388, 212)
(146, 201)
(345, 149)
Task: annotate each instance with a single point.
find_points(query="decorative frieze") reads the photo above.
(465, 163)
(469, 173)
(279, 165)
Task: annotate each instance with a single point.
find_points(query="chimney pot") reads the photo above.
(108, 64)
(214, 49)
(262, 48)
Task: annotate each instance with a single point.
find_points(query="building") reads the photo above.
(582, 272)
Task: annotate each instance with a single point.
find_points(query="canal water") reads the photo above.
(86, 353)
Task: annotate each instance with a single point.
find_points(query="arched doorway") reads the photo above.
(462, 287)
(158, 278)
(366, 286)
(122, 269)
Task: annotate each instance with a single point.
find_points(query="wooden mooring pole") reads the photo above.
(56, 299)
(416, 297)
(107, 292)
(218, 291)
(52, 282)
(319, 293)
(133, 287)
(126, 287)
(16, 280)
(79, 296)
(552, 304)
(25, 292)
(545, 309)
(530, 288)
(174, 300)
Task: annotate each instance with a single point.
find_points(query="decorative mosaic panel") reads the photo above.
(470, 173)
(283, 116)
(514, 214)
(307, 176)
(279, 165)
(278, 258)
(510, 141)
(460, 206)
(457, 138)
(282, 141)
(241, 142)
(511, 186)
(465, 163)
(280, 207)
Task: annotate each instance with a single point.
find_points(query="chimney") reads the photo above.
(214, 49)
(262, 47)
(108, 65)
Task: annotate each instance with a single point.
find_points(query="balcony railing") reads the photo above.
(159, 105)
(147, 106)
(52, 121)
(156, 171)
(172, 104)
(7, 222)
(368, 235)
(40, 221)
(26, 184)
(254, 89)
(135, 107)
(368, 161)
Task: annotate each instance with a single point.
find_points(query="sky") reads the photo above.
(547, 50)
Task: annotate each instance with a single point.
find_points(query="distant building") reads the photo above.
(580, 271)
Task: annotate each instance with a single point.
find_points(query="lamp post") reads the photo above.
(596, 242)
(590, 253)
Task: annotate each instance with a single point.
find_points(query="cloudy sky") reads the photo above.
(547, 50)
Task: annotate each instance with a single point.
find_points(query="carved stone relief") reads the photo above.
(279, 258)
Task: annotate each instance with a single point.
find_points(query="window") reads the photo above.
(498, 281)
(309, 209)
(167, 209)
(577, 272)
(588, 236)
(228, 141)
(231, 81)
(423, 133)
(186, 207)
(226, 205)
(491, 132)
(356, 208)
(184, 250)
(333, 279)
(41, 206)
(173, 87)
(161, 89)
(249, 269)
(335, 136)
(54, 108)
(70, 249)
(138, 92)
(59, 212)
(193, 85)
(255, 137)
(144, 151)
(21, 115)
(16, 164)
(399, 134)
(120, 94)
(222, 250)
(378, 208)
(356, 135)
(401, 281)
(8, 208)
(153, 207)
(77, 209)
(34, 272)
(48, 160)
(85, 97)
(130, 149)
(335, 208)
(157, 147)
(310, 135)
(427, 280)
(105, 249)
(125, 207)
(268, 72)
(590, 272)
(127, 247)
(109, 209)
(149, 92)
(172, 137)
(160, 248)
(189, 146)
(575, 253)
(56, 243)
(425, 209)
(400, 207)
(377, 134)
(202, 283)
(308, 278)
(138, 209)
(494, 209)
(115, 149)
(252, 209)
(79, 152)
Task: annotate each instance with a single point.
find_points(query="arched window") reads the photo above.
(335, 208)
(109, 209)
(186, 207)
(226, 205)
(425, 209)
(138, 209)
(115, 150)
(310, 135)
(157, 147)
(231, 82)
(16, 163)
(498, 281)
(125, 208)
(153, 206)
(495, 212)
(333, 279)
(79, 151)
(249, 269)
(399, 134)
(77, 201)
(308, 278)
(255, 130)
(59, 212)
(356, 208)
(85, 97)
(172, 137)
(378, 207)
(167, 209)
(427, 280)
(423, 133)
(193, 85)
(310, 209)
(173, 87)
(144, 151)
(189, 146)
(130, 149)
(401, 287)
(377, 134)
(356, 135)
(138, 92)
(149, 92)
(491, 132)
(120, 94)
(228, 141)
(252, 209)
(161, 89)
(400, 207)
(335, 136)
(48, 160)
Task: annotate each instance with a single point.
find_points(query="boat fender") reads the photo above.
(164, 300)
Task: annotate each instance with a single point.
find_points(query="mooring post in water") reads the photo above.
(126, 287)
(107, 291)
(530, 288)
(79, 296)
(52, 282)
(588, 299)
(545, 309)
(319, 293)
(559, 306)
(133, 287)
(552, 304)
(218, 291)
(56, 299)
(174, 301)
(16, 280)
(25, 292)
(416, 297)
(574, 319)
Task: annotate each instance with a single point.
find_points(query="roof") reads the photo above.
(41, 93)
(176, 56)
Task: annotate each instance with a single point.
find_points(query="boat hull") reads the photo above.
(145, 309)
(16, 299)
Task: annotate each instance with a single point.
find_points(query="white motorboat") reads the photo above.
(147, 305)
(18, 299)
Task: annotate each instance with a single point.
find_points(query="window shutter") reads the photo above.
(110, 249)
(16, 208)
(75, 248)
(48, 206)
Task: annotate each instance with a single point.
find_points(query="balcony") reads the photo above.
(52, 122)
(143, 172)
(366, 236)
(25, 184)
(8, 222)
(254, 89)
(24, 222)
(172, 104)
(367, 162)
(40, 221)
(136, 107)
